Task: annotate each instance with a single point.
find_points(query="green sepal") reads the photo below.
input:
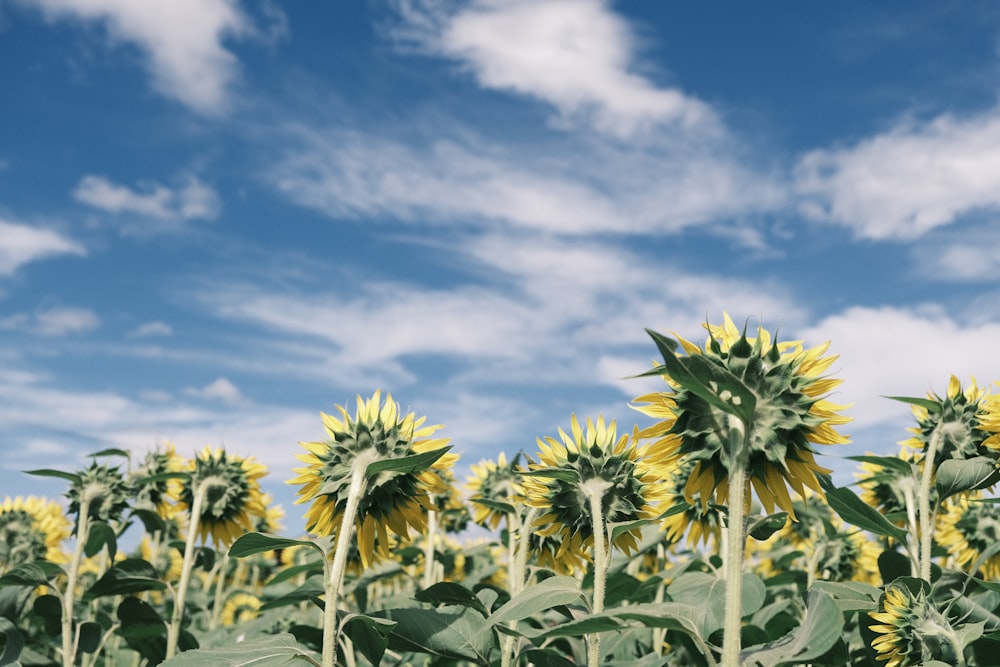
(562, 474)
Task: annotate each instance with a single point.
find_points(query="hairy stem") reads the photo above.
(82, 531)
(735, 543)
(174, 628)
(927, 514)
(595, 489)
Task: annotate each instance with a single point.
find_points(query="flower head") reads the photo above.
(968, 529)
(701, 523)
(584, 462)
(494, 481)
(152, 493)
(104, 491)
(955, 418)
(31, 529)
(240, 608)
(397, 497)
(902, 612)
(788, 415)
(233, 501)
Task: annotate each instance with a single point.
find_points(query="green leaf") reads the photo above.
(132, 575)
(765, 527)
(457, 633)
(369, 635)
(13, 643)
(707, 593)
(143, 629)
(407, 464)
(892, 565)
(160, 477)
(276, 651)
(819, 631)
(552, 592)
(563, 474)
(311, 590)
(449, 593)
(620, 527)
(890, 462)
(310, 568)
(858, 513)
(546, 657)
(151, 521)
(255, 543)
(101, 534)
(36, 573)
(955, 476)
(850, 595)
(89, 636)
(47, 472)
(929, 404)
(110, 452)
(666, 615)
(495, 505)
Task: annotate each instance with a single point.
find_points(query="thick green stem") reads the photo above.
(595, 490)
(174, 628)
(735, 544)
(68, 635)
(429, 563)
(927, 514)
(219, 576)
(518, 538)
(335, 572)
(909, 499)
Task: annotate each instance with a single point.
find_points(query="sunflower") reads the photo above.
(32, 529)
(233, 501)
(240, 608)
(453, 515)
(585, 462)
(885, 487)
(494, 481)
(967, 529)
(156, 494)
(702, 524)
(789, 415)
(166, 561)
(394, 499)
(956, 418)
(898, 641)
(104, 491)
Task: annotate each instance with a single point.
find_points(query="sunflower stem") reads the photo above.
(926, 514)
(594, 490)
(335, 572)
(82, 530)
(174, 628)
(429, 563)
(735, 542)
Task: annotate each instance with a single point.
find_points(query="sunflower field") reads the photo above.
(709, 536)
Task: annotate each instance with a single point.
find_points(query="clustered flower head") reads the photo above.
(789, 416)
(31, 529)
(495, 482)
(910, 630)
(233, 499)
(395, 499)
(954, 419)
(584, 462)
(152, 492)
(970, 528)
(103, 490)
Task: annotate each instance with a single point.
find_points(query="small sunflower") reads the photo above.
(885, 487)
(597, 460)
(157, 495)
(495, 481)
(702, 524)
(240, 608)
(790, 415)
(453, 515)
(956, 417)
(967, 529)
(898, 641)
(393, 500)
(32, 529)
(233, 503)
(105, 491)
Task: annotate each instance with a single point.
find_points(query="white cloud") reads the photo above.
(576, 55)
(148, 329)
(191, 200)
(53, 321)
(907, 181)
(23, 244)
(220, 389)
(181, 40)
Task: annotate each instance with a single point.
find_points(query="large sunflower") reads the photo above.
(570, 467)
(789, 416)
(394, 499)
(32, 529)
(233, 502)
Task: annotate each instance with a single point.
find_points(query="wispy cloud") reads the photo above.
(220, 389)
(182, 41)
(150, 329)
(22, 244)
(191, 200)
(59, 321)
(576, 55)
(909, 180)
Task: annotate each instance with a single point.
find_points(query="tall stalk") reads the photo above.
(335, 571)
(594, 490)
(429, 563)
(174, 628)
(68, 634)
(735, 543)
(927, 514)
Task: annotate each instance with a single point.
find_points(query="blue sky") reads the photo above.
(220, 218)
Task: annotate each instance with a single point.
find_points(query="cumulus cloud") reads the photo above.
(182, 41)
(220, 389)
(58, 321)
(907, 181)
(23, 244)
(191, 200)
(148, 329)
(575, 55)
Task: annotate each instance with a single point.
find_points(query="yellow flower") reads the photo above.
(393, 500)
(240, 608)
(581, 462)
(956, 419)
(32, 529)
(234, 501)
(495, 481)
(157, 495)
(790, 414)
(967, 529)
(898, 642)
